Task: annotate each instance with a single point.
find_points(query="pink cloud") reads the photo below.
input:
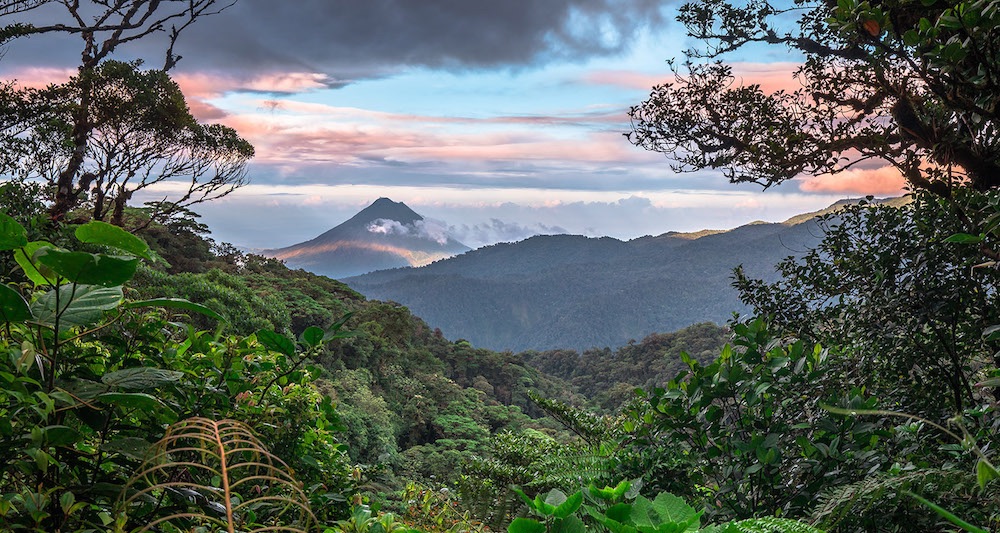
(595, 148)
(38, 77)
(626, 79)
(201, 87)
(609, 115)
(770, 76)
(359, 138)
(293, 133)
(208, 85)
(879, 181)
(195, 84)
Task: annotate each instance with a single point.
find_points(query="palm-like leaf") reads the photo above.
(216, 474)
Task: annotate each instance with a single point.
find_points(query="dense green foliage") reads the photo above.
(904, 298)
(619, 509)
(888, 285)
(740, 431)
(92, 379)
(609, 377)
(413, 403)
(750, 429)
(909, 300)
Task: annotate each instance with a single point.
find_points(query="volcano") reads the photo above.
(384, 235)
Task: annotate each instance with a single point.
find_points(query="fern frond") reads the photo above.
(593, 429)
(770, 525)
(216, 474)
(858, 499)
(572, 468)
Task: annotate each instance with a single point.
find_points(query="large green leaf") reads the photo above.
(79, 305)
(569, 505)
(131, 447)
(613, 521)
(543, 507)
(667, 513)
(60, 435)
(13, 308)
(525, 525)
(140, 378)
(90, 269)
(27, 257)
(177, 303)
(138, 401)
(570, 524)
(614, 494)
(985, 472)
(620, 511)
(965, 238)
(97, 232)
(12, 234)
(313, 336)
(276, 342)
(83, 389)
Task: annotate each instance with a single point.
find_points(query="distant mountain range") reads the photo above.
(385, 234)
(570, 291)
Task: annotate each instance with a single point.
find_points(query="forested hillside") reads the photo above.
(566, 291)
(610, 377)
(375, 375)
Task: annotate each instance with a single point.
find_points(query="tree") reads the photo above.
(915, 84)
(141, 134)
(103, 26)
(887, 287)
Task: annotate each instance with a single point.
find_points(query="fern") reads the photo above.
(574, 465)
(593, 429)
(215, 474)
(769, 525)
(864, 498)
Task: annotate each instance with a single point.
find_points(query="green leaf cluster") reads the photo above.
(615, 509)
(90, 380)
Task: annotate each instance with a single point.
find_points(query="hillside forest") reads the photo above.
(156, 380)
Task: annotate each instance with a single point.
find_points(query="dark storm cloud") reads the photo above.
(362, 37)
(351, 39)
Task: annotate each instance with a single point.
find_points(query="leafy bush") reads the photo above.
(618, 510)
(91, 380)
(746, 434)
(903, 302)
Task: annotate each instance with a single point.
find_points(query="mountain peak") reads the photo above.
(384, 209)
(385, 234)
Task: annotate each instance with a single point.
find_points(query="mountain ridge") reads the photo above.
(572, 291)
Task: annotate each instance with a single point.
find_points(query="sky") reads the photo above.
(497, 120)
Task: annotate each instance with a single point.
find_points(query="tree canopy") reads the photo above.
(113, 129)
(141, 134)
(910, 83)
